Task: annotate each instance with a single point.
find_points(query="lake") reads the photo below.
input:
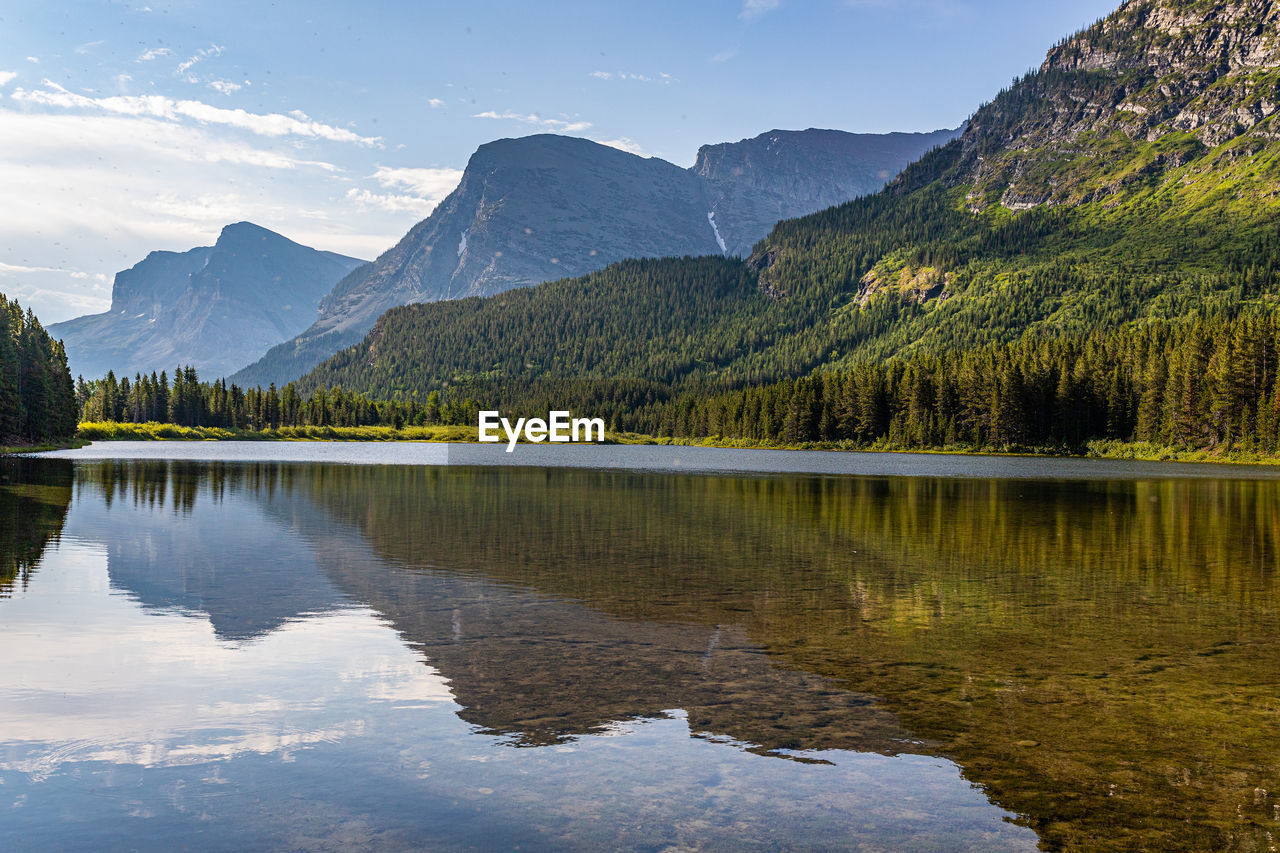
(408, 646)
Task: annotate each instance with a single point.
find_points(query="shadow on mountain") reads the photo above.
(34, 496)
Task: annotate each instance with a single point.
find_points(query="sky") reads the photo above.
(128, 127)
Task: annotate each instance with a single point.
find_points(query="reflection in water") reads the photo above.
(1098, 657)
(1080, 648)
(32, 508)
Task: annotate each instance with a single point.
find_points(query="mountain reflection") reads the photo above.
(1078, 648)
(241, 566)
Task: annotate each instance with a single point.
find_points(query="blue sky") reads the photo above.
(127, 127)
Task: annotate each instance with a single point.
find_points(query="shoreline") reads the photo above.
(436, 434)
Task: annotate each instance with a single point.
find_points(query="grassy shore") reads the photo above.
(69, 444)
(151, 431)
(1100, 449)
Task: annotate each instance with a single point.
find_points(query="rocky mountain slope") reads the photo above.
(214, 307)
(1135, 176)
(754, 184)
(543, 207)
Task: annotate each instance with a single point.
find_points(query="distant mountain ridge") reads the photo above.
(213, 307)
(756, 183)
(544, 207)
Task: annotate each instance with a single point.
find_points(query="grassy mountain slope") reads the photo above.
(1134, 175)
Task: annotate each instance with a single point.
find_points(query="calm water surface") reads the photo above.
(1004, 655)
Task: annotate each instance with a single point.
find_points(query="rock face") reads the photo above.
(753, 184)
(545, 207)
(1150, 88)
(214, 307)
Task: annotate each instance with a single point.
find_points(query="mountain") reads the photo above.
(542, 207)
(1133, 176)
(214, 307)
(754, 184)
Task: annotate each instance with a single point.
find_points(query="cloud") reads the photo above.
(34, 59)
(153, 53)
(562, 125)
(428, 183)
(159, 106)
(752, 9)
(87, 194)
(625, 144)
(390, 202)
(199, 56)
(225, 87)
(425, 188)
(725, 55)
(12, 269)
(662, 77)
(435, 103)
(6, 77)
(84, 48)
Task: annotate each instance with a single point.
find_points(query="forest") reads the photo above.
(1202, 383)
(37, 400)
(188, 401)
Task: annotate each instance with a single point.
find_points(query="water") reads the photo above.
(247, 655)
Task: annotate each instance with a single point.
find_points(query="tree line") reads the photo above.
(1205, 383)
(186, 400)
(37, 401)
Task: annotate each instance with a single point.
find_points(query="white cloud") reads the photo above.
(725, 55)
(391, 202)
(88, 194)
(562, 125)
(412, 190)
(199, 56)
(84, 48)
(434, 103)
(6, 77)
(159, 106)
(752, 9)
(34, 59)
(153, 53)
(225, 87)
(432, 184)
(664, 78)
(625, 144)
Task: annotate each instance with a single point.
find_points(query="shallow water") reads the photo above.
(214, 655)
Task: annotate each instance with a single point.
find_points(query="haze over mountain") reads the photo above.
(213, 307)
(543, 207)
(1132, 177)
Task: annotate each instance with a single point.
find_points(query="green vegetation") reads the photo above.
(153, 431)
(1071, 206)
(1075, 269)
(37, 402)
(1182, 386)
(223, 408)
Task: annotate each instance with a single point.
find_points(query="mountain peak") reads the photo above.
(1154, 86)
(245, 232)
(216, 308)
